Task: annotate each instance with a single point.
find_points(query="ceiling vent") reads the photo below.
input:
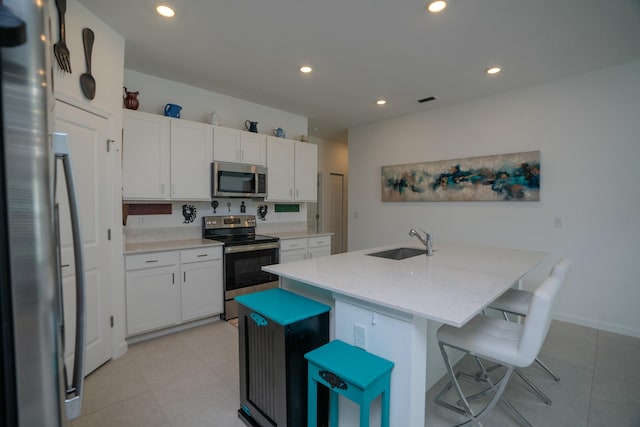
(429, 99)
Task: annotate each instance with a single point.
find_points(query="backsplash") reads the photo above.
(141, 228)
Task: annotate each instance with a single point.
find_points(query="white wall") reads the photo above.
(107, 63)
(197, 105)
(588, 131)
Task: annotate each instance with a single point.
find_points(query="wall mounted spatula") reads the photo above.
(87, 82)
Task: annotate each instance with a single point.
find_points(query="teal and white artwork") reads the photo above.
(488, 178)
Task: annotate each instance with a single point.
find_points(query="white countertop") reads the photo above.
(168, 245)
(451, 287)
(296, 234)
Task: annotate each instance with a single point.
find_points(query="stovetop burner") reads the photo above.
(233, 230)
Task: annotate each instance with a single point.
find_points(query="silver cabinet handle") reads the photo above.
(173, 278)
(73, 392)
(151, 260)
(202, 255)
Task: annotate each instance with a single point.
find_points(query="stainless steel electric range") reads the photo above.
(245, 253)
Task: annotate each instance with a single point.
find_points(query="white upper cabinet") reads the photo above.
(145, 161)
(191, 157)
(236, 146)
(292, 169)
(165, 159)
(280, 158)
(306, 172)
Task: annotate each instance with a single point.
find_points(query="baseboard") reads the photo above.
(166, 331)
(602, 326)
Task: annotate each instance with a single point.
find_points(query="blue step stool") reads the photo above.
(351, 372)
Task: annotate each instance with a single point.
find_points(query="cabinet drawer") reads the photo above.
(150, 260)
(200, 254)
(318, 241)
(291, 244)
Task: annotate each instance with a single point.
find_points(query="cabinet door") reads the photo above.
(253, 148)
(280, 158)
(152, 299)
(145, 156)
(293, 255)
(201, 289)
(306, 172)
(319, 252)
(226, 145)
(191, 157)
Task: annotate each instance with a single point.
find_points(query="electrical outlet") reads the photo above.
(359, 336)
(558, 222)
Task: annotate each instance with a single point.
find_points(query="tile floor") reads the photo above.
(191, 379)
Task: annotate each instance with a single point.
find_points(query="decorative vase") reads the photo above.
(130, 99)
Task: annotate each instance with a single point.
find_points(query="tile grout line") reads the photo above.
(593, 375)
(151, 390)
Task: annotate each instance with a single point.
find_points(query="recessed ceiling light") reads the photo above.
(306, 69)
(492, 71)
(381, 101)
(435, 6)
(166, 11)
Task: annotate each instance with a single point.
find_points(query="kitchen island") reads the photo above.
(390, 307)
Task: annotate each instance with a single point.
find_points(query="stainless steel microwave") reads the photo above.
(238, 180)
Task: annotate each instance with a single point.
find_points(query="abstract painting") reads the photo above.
(489, 178)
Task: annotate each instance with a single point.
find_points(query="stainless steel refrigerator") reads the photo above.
(33, 378)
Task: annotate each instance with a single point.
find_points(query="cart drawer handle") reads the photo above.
(260, 321)
(333, 380)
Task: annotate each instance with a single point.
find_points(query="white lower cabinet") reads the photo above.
(167, 288)
(319, 246)
(301, 248)
(201, 288)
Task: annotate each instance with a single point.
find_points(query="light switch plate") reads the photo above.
(359, 336)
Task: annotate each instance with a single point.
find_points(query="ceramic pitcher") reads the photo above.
(251, 126)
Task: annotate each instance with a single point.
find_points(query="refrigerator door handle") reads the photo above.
(73, 398)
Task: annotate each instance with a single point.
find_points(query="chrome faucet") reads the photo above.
(427, 240)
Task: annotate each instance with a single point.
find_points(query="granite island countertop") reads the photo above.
(450, 287)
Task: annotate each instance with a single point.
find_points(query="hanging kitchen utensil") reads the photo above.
(87, 82)
(214, 205)
(60, 49)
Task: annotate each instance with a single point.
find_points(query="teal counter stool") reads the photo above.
(351, 372)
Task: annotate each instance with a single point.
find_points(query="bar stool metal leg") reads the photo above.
(481, 416)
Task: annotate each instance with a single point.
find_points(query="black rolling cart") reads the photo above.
(276, 329)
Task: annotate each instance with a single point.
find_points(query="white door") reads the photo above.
(88, 135)
(336, 188)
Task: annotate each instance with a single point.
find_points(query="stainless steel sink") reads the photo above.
(399, 253)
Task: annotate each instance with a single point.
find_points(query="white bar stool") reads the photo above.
(510, 344)
(516, 302)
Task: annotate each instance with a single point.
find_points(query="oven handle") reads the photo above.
(249, 248)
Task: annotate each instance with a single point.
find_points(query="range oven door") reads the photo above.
(243, 272)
